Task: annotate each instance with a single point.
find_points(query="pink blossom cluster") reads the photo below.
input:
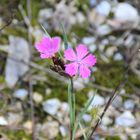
(78, 61)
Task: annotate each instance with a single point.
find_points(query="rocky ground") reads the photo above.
(110, 28)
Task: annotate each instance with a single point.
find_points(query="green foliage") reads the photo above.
(17, 135)
(113, 138)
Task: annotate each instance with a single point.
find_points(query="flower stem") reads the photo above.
(71, 100)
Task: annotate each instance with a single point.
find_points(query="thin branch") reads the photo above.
(32, 108)
(114, 94)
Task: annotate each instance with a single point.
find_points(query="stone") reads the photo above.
(21, 94)
(118, 57)
(110, 51)
(80, 17)
(97, 101)
(92, 48)
(126, 119)
(103, 30)
(37, 97)
(129, 104)
(3, 121)
(50, 129)
(48, 91)
(125, 12)
(106, 121)
(103, 8)
(14, 118)
(28, 126)
(93, 3)
(51, 106)
(87, 117)
(63, 131)
(18, 55)
(88, 40)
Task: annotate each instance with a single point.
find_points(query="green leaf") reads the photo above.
(64, 36)
(45, 31)
(84, 134)
(83, 112)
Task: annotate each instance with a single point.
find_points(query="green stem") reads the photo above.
(71, 100)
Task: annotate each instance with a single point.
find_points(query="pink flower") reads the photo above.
(81, 61)
(48, 46)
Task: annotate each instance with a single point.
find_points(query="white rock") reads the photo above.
(110, 51)
(103, 30)
(103, 8)
(14, 118)
(97, 101)
(106, 121)
(65, 107)
(92, 48)
(63, 131)
(45, 14)
(88, 40)
(18, 51)
(48, 91)
(3, 121)
(50, 129)
(87, 117)
(93, 2)
(28, 126)
(129, 104)
(126, 12)
(78, 84)
(51, 106)
(126, 119)
(37, 97)
(118, 57)
(80, 17)
(21, 94)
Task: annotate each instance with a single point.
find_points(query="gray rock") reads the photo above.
(92, 48)
(103, 30)
(51, 106)
(21, 94)
(126, 119)
(126, 12)
(106, 121)
(88, 40)
(97, 101)
(103, 8)
(129, 104)
(93, 2)
(87, 117)
(50, 129)
(45, 14)
(18, 52)
(14, 118)
(38, 98)
(118, 57)
(64, 132)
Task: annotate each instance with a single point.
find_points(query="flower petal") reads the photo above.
(89, 60)
(55, 43)
(71, 68)
(84, 71)
(70, 55)
(81, 51)
(43, 45)
(45, 55)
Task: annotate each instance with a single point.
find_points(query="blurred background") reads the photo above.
(33, 99)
